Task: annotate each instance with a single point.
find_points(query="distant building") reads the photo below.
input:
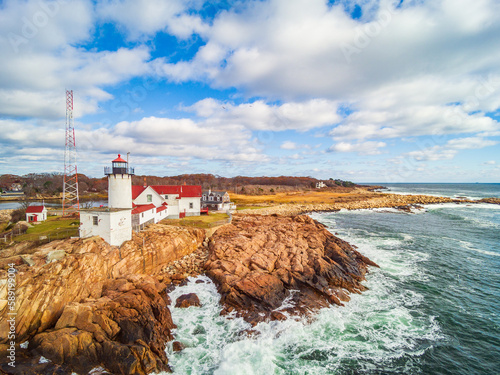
(320, 185)
(36, 214)
(217, 201)
(13, 193)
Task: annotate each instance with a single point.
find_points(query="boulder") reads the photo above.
(186, 300)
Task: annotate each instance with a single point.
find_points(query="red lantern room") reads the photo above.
(119, 166)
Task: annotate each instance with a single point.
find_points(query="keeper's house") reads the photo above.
(158, 202)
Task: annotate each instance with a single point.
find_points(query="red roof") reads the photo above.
(143, 208)
(137, 190)
(184, 191)
(161, 208)
(119, 159)
(35, 209)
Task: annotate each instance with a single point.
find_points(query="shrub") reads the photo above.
(17, 215)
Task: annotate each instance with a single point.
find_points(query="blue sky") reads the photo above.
(367, 90)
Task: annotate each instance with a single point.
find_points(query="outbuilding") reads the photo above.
(36, 214)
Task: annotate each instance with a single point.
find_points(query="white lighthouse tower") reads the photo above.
(119, 183)
(112, 223)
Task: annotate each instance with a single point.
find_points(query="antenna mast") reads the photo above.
(71, 200)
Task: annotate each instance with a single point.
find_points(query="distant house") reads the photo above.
(216, 201)
(36, 214)
(320, 185)
(16, 191)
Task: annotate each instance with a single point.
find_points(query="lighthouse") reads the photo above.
(112, 223)
(119, 183)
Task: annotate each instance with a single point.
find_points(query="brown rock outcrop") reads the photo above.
(490, 200)
(363, 200)
(130, 323)
(258, 261)
(45, 289)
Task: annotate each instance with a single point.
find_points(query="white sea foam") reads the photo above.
(373, 330)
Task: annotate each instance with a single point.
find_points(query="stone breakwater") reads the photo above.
(259, 261)
(82, 303)
(374, 200)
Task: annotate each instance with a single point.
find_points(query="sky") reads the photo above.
(367, 90)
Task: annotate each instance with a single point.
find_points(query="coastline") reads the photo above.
(366, 200)
(283, 263)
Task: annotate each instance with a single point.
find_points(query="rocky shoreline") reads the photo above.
(82, 303)
(368, 201)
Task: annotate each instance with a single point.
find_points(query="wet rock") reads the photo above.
(178, 346)
(276, 315)
(186, 300)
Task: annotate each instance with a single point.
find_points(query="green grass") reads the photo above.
(203, 221)
(53, 228)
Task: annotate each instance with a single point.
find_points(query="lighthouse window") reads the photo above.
(150, 198)
(95, 220)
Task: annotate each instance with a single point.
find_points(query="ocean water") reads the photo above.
(471, 191)
(433, 306)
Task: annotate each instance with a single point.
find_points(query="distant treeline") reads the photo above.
(51, 184)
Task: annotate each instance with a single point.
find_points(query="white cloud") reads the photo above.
(470, 143)
(143, 18)
(288, 145)
(363, 148)
(421, 68)
(40, 59)
(450, 149)
(259, 115)
(150, 136)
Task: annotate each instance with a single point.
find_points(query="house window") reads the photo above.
(95, 220)
(153, 210)
(142, 215)
(191, 206)
(149, 198)
(166, 196)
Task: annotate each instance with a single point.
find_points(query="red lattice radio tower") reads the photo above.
(71, 201)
